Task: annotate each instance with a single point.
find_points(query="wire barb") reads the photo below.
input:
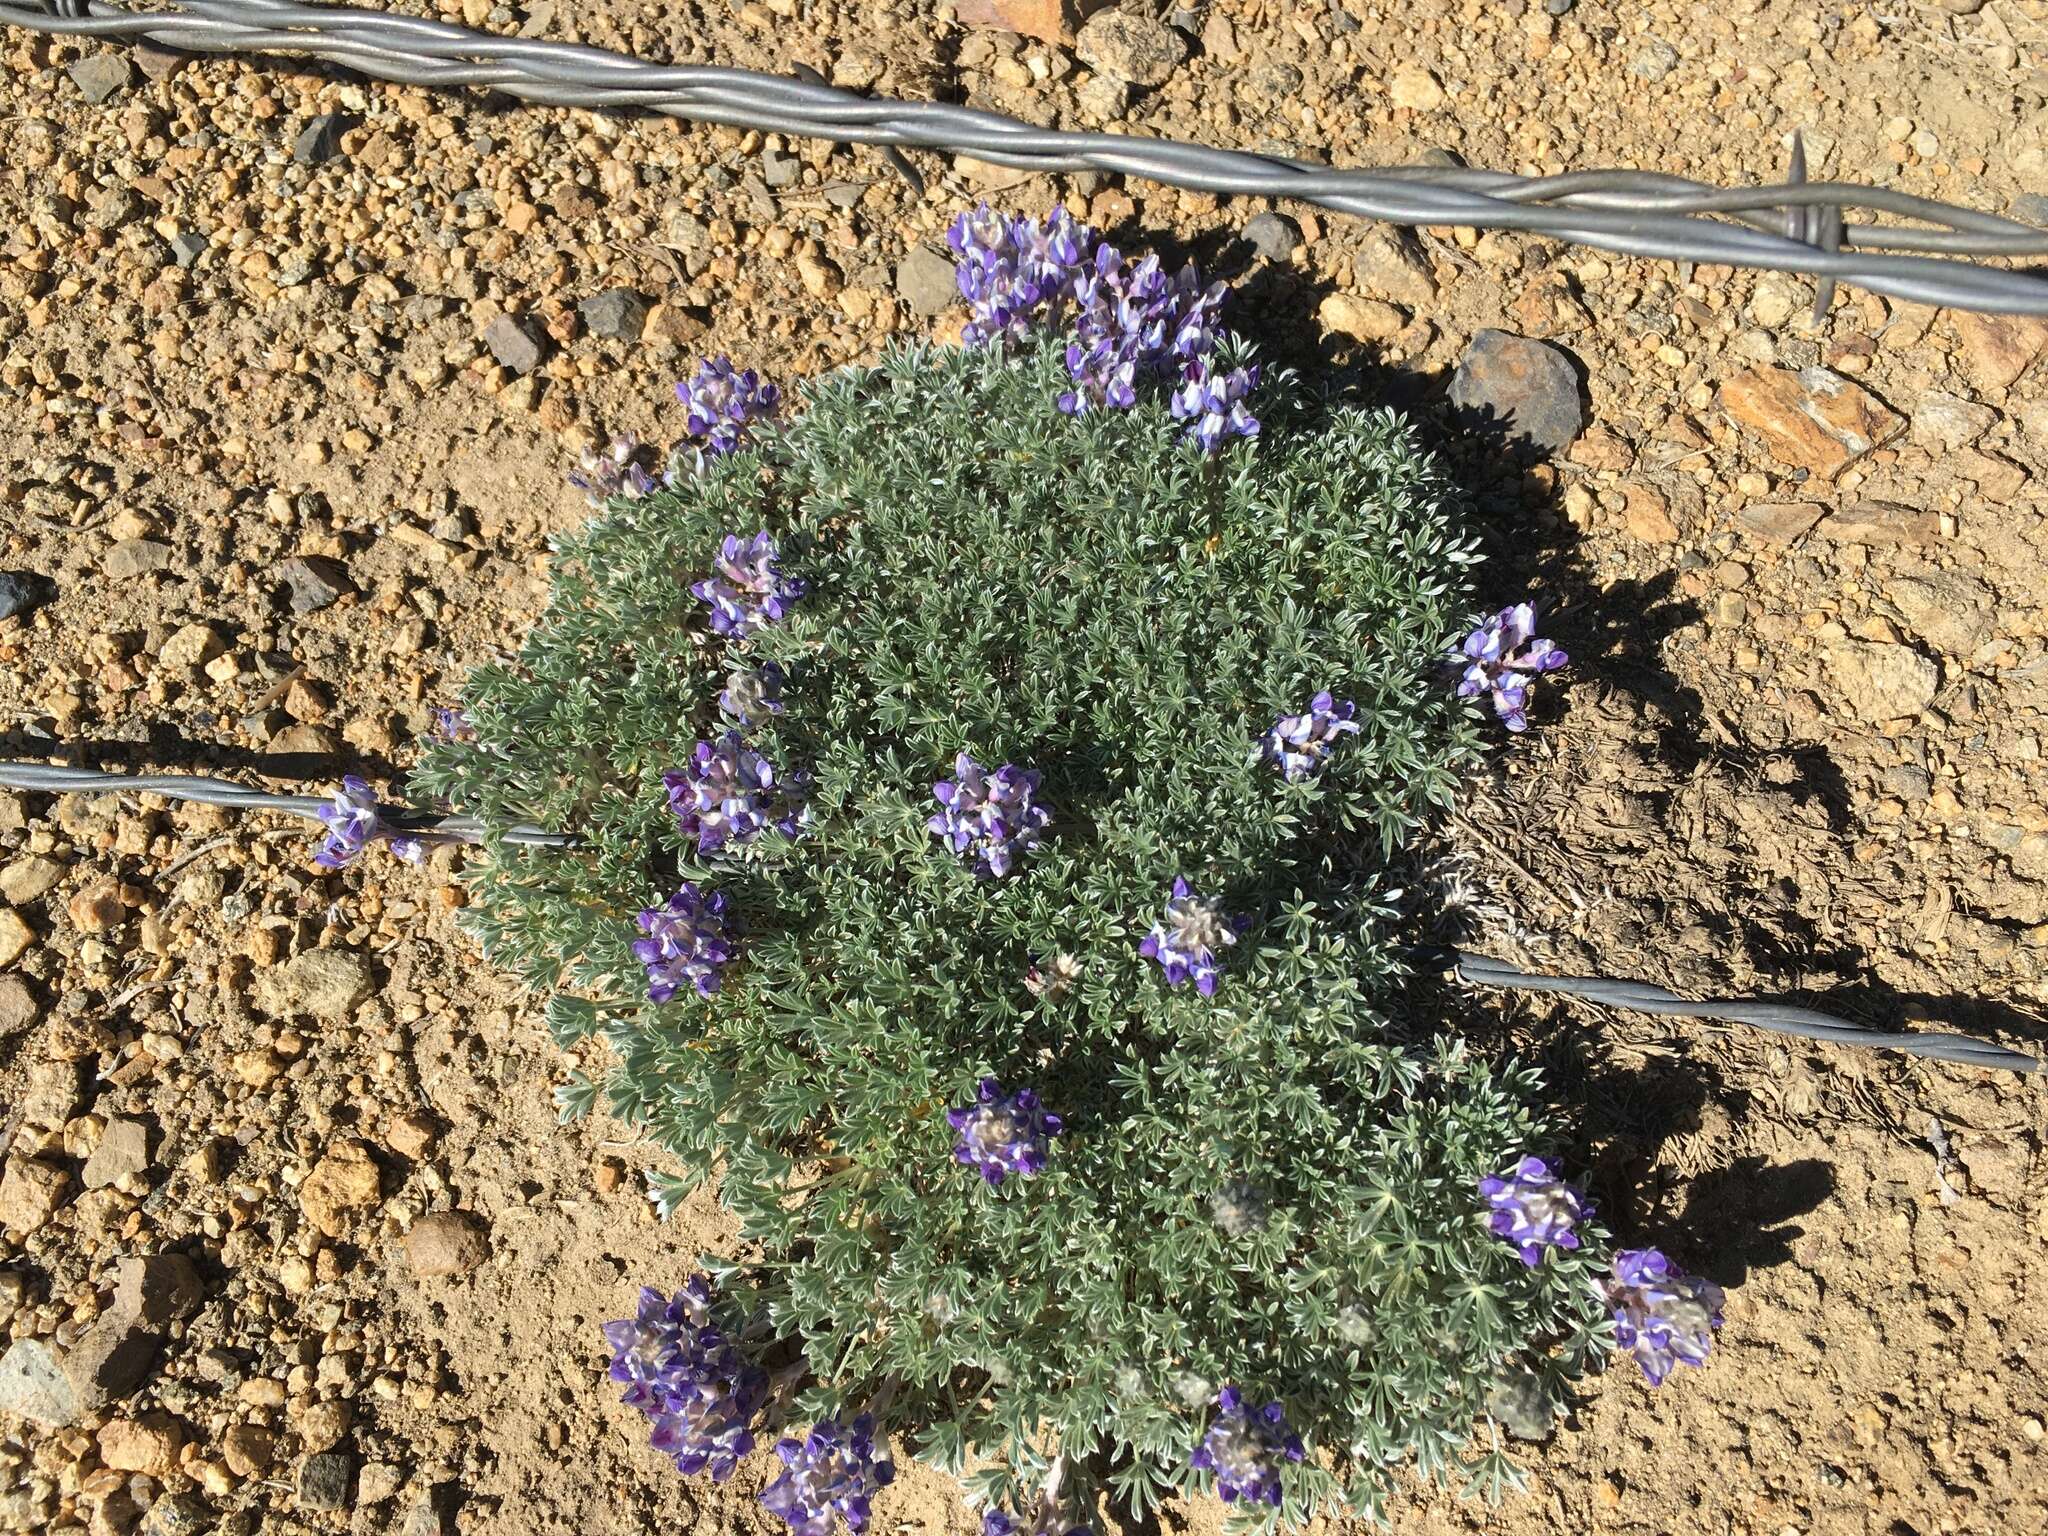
(1795, 226)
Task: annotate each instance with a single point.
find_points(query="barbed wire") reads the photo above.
(1473, 969)
(1795, 226)
(1780, 1018)
(51, 779)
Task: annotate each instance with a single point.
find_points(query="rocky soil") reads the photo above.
(292, 366)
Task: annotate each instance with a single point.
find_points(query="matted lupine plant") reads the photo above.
(991, 768)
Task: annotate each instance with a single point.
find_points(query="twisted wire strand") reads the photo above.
(1780, 1018)
(1796, 226)
(51, 779)
(1474, 969)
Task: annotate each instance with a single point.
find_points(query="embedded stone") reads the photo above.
(343, 1186)
(1882, 682)
(1134, 49)
(620, 314)
(313, 582)
(445, 1244)
(1780, 522)
(100, 75)
(925, 281)
(1997, 349)
(1812, 419)
(23, 592)
(123, 1153)
(155, 1290)
(1525, 387)
(324, 984)
(517, 342)
(1273, 235)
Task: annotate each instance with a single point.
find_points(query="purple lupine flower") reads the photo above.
(1213, 406)
(1016, 273)
(351, 822)
(729, 794)
(752, 694)
(1243, 1449)
(992, 816)
(689, 940)
(1129, 324)
(601, 477)
(693, 1382)
(1185, 940)
(835, 1469)
(1003, 1133)
(721, 404)
(1534, 1209)
(1661, 1316)
(1502, 657)
(1300, 744)
(746, 588)
(454, 725)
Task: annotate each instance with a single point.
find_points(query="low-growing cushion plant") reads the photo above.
(990, 769)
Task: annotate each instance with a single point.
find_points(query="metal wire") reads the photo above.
(1483, 971)
(1795, 226)
(51, 779)
(1477, 970)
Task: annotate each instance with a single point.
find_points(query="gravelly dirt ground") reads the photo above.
(1799, 754)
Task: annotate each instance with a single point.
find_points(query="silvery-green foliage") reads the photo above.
(1090, 597)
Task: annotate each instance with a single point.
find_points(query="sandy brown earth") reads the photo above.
(1799, 754)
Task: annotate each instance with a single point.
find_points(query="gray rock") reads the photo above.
(1527, 387)
(57, 1387)
(324, 984)
(324, 1480)
(2032, 207)
(320, 140)
(1880, 682)
(1273, 235)
(23, 592)
(155, 1290)
(1388, 264)
(1654, 60)
(187, 248)
(19, 1008)
(135, 557)
(115, 208)
(99, 75)
(158, 62)
(421, 1520)
(517, 342)
(122, 1153)
(33, 1384)
(1136, 49)
(780, 171)
(313, 582)
(178, 1514)
(925, 281)
(620, 314)
(1944, 422)
(1104, 97)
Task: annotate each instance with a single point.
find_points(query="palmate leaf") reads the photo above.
(1089, 597)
